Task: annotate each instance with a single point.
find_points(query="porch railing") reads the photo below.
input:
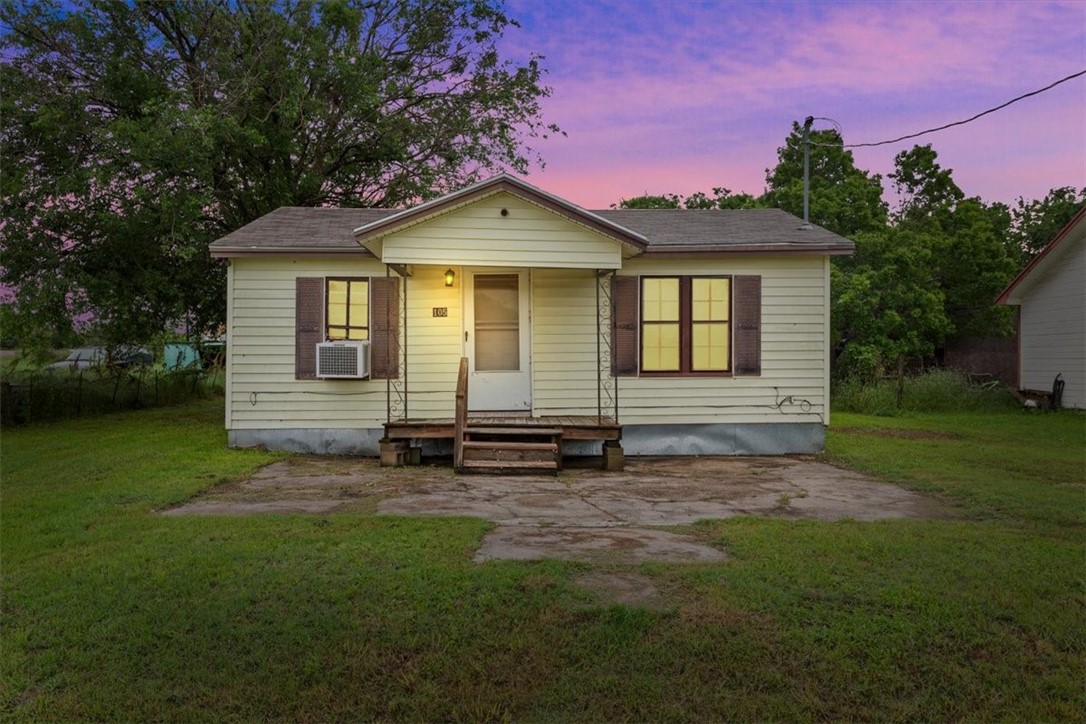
(460, 422)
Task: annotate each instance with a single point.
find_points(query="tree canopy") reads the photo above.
(923, 273)
(143, 131)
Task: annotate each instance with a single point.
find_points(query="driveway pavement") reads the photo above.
(582, 514)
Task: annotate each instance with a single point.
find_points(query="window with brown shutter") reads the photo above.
(384, 328)
(624, 315)
(747, 318)
(356, 308)
(308, 325)
(686, 325)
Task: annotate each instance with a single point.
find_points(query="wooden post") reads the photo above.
(461, 421)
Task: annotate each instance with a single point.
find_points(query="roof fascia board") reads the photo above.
(1039, 262)
(235, 251)
(748, 249)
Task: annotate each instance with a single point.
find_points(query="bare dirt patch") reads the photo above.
(583, 514)
(622, 588)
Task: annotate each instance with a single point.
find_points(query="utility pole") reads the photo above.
(807, 171)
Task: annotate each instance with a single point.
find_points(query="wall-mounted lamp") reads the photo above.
(450, 277)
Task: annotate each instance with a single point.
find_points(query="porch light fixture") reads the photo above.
(450, 277)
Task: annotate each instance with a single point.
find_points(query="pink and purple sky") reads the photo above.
(678, 97)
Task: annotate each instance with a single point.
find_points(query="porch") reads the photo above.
(501, 442)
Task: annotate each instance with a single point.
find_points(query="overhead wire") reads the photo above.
(948, 125)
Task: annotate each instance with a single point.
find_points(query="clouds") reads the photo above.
(670, 96)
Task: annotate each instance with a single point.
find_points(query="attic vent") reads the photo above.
(344, 360)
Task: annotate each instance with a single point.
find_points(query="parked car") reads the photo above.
(124, 356)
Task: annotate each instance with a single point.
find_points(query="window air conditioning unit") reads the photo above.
(343, 360)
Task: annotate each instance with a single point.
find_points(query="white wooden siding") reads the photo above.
(1053, 331)
(794, 348)
(478, 235)
(263, 394)
(262, 391)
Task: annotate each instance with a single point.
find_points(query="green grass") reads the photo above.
(111, 612)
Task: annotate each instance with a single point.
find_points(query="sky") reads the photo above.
(676, 97)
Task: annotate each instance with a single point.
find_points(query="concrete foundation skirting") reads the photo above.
(711, 439)
(724, 439)
(315, 441)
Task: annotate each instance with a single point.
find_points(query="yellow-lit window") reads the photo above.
(711, 300)
(348, 309)
(685, 324)
(660, 319)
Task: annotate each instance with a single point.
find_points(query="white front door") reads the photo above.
(496, 340)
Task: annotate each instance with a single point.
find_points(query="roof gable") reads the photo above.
(502, 183)
(499, 229)
(1074, 232)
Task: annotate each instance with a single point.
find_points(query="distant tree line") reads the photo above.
(925, 272)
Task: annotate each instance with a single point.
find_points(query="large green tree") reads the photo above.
(887, 304)
(843, 198)
(1037, 222)
(135, 133)
(970, 263)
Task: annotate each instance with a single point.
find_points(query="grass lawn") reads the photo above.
(111, 612)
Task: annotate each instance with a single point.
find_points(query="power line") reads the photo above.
(959, 123)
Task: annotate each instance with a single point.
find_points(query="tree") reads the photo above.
(146, 130)
(886, 306)
(722, 198)
(649, 201)
(968, 239)
(924, 187)
(1035, 223)
(843, 198)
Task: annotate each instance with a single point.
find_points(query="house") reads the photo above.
(1051, 296)
(664, 332)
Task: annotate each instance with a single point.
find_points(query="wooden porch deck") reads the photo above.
(573, 427)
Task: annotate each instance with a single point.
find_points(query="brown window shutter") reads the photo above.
(308, 325)
(747, 318)
(624, 318)
(384, 328)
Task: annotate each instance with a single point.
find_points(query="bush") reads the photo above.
(933, 391)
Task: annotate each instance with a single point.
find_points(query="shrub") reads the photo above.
(932, 391)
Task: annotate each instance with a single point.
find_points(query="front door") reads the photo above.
(496, 340)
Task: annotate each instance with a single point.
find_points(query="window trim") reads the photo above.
(347, 326)
(686, 327)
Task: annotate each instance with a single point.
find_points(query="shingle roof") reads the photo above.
(292, 229)
(684, 230)
(296, 228)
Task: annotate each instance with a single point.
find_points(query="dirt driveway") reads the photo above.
(582, 514)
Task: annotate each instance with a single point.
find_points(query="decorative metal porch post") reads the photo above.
(606, 382)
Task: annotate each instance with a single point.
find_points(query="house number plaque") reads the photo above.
(441, 311)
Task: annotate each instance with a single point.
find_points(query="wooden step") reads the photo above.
(509, 445)
(511, 465)
(514, 431)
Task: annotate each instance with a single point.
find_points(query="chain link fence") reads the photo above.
(58, 394)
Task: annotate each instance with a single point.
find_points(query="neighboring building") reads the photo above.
(1051, 295)
(680, 332)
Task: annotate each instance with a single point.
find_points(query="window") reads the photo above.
(685, 325)
(342, 308)
(347, 311)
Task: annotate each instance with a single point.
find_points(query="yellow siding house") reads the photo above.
(672, 332)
